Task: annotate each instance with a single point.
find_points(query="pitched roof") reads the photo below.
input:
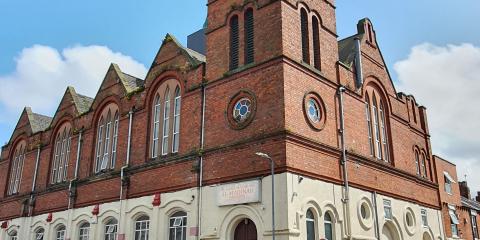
(130, 82)
(469, 203)
(82, 102)
(194, 57)
(38, 122)
(346, 49)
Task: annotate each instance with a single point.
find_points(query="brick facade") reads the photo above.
(278, 80)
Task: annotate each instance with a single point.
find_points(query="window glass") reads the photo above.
(142, 227)
(176, 120)
(328, 226)
(111, 230)
(242, 110)
(424, 218)
(39, 234)
(13, 235)
(166, 122)
(178, 226)
(60, 233)
(387, 208)
(84, 231)
(310, 225)
(448, 186)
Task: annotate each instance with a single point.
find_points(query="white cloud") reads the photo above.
(42, 74)
(447, 81)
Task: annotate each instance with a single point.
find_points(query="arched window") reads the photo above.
(156, 125)
(234, 42)
(107, 138)
(376, 115)
(39, 234)
(176, 120)
(310, 220)
(16, 169)
(61, 154)
(424, 166)
(369, 126)
(178, 226)
(111, 228)
(249, 36)
(13, 235)
(328, 224)
(142, 228)
(417, 162)
(316, 42)
(305, 36)
(165, 121)
(60, 233)
(84, 231)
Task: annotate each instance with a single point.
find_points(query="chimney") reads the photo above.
(464, 190)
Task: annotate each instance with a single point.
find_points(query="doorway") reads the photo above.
(246, 230)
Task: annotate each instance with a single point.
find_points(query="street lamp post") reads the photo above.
(272, 169)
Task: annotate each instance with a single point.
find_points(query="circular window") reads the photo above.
(314, 111)
(241, 109)
(409, 221)
(365, 213)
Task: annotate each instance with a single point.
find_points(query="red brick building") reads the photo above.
(173, 156)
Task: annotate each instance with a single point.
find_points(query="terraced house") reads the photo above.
(185, 153)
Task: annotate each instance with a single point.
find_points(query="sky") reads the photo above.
(432, 49)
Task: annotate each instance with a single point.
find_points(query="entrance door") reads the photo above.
(246, 230)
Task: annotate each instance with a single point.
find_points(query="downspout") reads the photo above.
(346, 188)
(375, 208)
(37, 162)
(358, 63)
(79, 148)
(202, 145)
(127, 163)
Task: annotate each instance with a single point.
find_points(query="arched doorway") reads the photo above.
(245, 230)
(389, 232)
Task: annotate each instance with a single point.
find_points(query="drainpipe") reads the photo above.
(79, 147)
(375, 208)
(37, 162)
(358, 63)
(202, 144)
(127, 163)
(346, 188)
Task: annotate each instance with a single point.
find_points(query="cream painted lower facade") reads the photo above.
(294, 195)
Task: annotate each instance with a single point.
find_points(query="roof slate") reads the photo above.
(469, 203)
(346, 49)
(38, 122)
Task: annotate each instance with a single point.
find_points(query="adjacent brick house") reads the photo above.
(173, 156)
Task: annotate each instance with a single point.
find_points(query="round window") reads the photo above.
(314, 111)
(242, 110)
(409, 221)
(364, 213)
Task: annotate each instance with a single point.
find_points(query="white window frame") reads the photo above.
(166, 122)
(176, 120)
(156, 125)
(376, 127)
(111, 229)
(384, 133)
(142, 228)
(60, 233)
(454, 222)
(473, 220)
(84, 231)
(114, 141)
(16, 171)
(99, 145)
(178, 222)
(369, 125)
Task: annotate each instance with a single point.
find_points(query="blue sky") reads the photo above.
(136, 29)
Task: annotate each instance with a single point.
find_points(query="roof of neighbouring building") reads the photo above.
(470, 203)
(346, 49)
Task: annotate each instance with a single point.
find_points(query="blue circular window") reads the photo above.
(313, 111)
(242, 110)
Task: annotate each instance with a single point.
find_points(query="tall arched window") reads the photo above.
(178, 226)
(84, 231)
(111, 228)
(316, 42)
(310, 220)
(376, 116)
(60, 232)
(328, 224)
(234, 42)
(142, 228)
(16, 169)
(424, 166)
(61, 154)
(305, 36)
(165, 121)
(249, 36)
(107, 138)
(417, 162)
(176, 120)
